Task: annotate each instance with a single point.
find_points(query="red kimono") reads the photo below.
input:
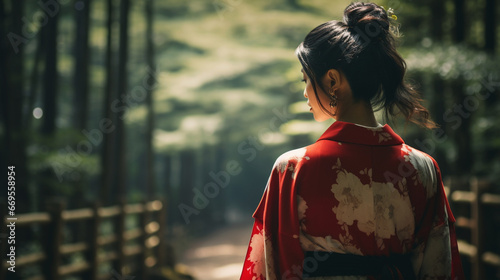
(357, 190)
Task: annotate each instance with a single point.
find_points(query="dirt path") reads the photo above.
(220, 255)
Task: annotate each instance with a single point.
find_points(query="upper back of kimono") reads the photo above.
(367, 198)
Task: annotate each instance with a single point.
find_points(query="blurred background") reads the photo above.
(141, 133)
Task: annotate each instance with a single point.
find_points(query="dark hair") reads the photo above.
(362, 47)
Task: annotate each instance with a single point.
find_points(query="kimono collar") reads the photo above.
(351, 133)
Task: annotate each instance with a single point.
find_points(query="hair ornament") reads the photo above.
(390, 13)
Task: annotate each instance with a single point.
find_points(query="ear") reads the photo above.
(335, 78)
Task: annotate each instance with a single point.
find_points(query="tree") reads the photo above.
(35, 79)
(462, 135)
(438, 14)
(439, 86)
(459, 17)
(50, 77)
(81, 72)
(490, 26)
(49, 101)
(150, 178)
(490, 151)
(81, 84)
(12, 98)
(120, 143)
(108, 138)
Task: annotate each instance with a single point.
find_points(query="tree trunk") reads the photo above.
(490, 26)
(459, 32)
(50, 77)
(167, 187)
(49, 102)
(462, 133)
(34, 80)
(222, 201)
(206, 161)
(80, 102)
(187, 184)
(490, 153)
(12, 99)
(120, 150)
(81, 72)
(150, 177)
(438, 15)
(437, 109)
(463, 141)
(437, 100)
(107, 166)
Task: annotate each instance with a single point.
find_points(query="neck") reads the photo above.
(359, 113)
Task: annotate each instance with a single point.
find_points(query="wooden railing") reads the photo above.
(149, 245)
(483, 207)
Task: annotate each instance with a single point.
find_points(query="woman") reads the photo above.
(358, 203)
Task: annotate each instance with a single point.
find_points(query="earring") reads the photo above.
(333, 102)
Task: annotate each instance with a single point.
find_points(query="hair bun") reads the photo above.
(364, 15)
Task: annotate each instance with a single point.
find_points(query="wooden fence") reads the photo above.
(479, 211)
(149, 247)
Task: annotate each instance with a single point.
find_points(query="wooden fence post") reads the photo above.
(120, 242)
(91, 254)
(53, 239)
(162, 222)
(477, 231)
(143, 221)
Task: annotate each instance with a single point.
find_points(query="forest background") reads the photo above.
(192, 101)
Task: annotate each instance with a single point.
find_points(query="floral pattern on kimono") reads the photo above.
(357, 190)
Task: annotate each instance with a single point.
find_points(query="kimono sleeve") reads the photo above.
(274, 251)
(436, 256)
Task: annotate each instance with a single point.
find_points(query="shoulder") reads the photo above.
(426, 167)
(291, 159)
(418, 158)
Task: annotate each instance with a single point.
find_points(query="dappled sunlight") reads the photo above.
(204, 123)
(226, 271)
(273, 138)
(193, 131)
(220, 254)
(217, 250)
(167, 139)
(299, 107)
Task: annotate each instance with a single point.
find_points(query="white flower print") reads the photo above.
(257, 255)
(425, 169)
(382, 134)
(393, 212)
(435, 263)
(271, 273)
(284, 160)
(380, 208)
(327, 244)
(301, 209)
(338, 164)
(261, 256)
(355, 202)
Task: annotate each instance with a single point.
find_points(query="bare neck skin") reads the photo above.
(356, 112)
(348, 109)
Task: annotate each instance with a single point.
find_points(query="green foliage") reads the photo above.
(223, 67)
(65, 156)
(453, 62)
